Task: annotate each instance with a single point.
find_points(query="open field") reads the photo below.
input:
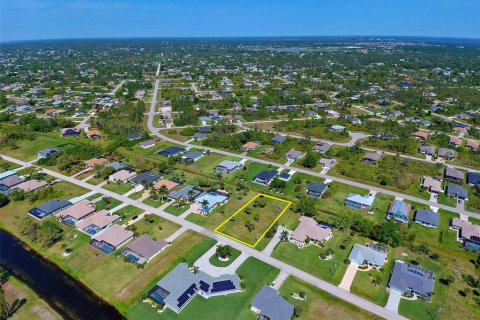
(156, 227)
(260, 217)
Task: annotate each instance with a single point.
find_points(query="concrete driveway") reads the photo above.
(393, 301)
(349, 276)
(204, 264)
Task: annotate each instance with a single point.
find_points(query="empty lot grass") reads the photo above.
(319, 304)
(233, 307)
(259, 217)
(155, 226)
(128, 212)
(176, 210)
(152, 202)
(107, 203)
(119, 188)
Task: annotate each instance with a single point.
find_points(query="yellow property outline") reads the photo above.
(241, 209)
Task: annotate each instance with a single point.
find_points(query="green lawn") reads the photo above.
(219, 263)
(119, 188)
(157, 227)
(176, 211)
(153, 203)
(307, 258)
(319, 304)
(128, 212)
(235, 226)
(107, 203)
(136, 195)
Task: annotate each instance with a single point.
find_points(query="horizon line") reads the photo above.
(233, 37)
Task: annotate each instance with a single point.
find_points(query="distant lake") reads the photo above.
(70, 298)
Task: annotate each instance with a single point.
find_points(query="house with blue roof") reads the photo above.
(316, 189)
(413, 279)
(134, 136)
(211, 199)
(46, 152)
(172, 151)
(457, 192)
(48, 208)
(265, 176)
(269, 304)
(473, 178)
(357, 201)
(200, 136)
(145, 179)
(427, 218)
(192, 156)
(188, 192)
(399, 211)
(278, 139)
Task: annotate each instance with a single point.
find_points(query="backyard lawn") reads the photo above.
(119, 188)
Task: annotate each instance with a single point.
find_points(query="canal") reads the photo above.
(70, 298)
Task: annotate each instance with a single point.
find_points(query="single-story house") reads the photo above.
(76, 212)
(278, 139)
(94, 134)
(31, 185)
(473, 145)
(446, 153)
(48, 208)
(249, 146)
(227, 166)
(454, 174)
(309, 231)
(145, 178)
(399, 211)
(265, 176)
(180, 285)
(9, 183)
(372, 158)
(147, 144)
(473, 178)
(192, 156)
(322, 147)
(337, 127)
(200, 136)
(316, 189)
(421, 135)
(172, 151)
(433, 185)
(112, 238)
(188, 192)
(357, 201)
(268, 304)
(468, 233)
(454, 141)
(169, 184)
(143, 249)
(92, 163)
(427, 150)
(49, 151)
(210, 199)
(426, 217)
(7, 174)
(411, 278)
(457, 191)
(116, 165)
(96, 222)
(373, 255)
(122, 175)
(69, 132)
(327, 162)
(293, 155)
(134, 136)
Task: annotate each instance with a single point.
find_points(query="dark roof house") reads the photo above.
(172, 151)
(426, 217)
(270, 305)
(48, 208)
(145, 178)
(265, 176)
(411, 278)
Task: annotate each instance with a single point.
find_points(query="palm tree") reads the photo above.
(190, 194)
(223, 251)
(195, 269)
(163, 192)
(204, 203)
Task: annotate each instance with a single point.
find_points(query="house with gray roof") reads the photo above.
(322, 147)
(426, 217)
(278, 139)
(316, 189)
(293, 155)
(413, 279)
(268, 304)
(374, 256)
(227, 166)
(192, 156)
(181, 285)
(143, 249)
(200, 136)
(446, 153)
(427, 150)
(147, 144)
(372, 158)
(454, 174)
(457, 192)
(48, 208)
(46, 152)
(357, 201)
(188, 192)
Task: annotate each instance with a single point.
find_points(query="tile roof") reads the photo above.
(310, 228)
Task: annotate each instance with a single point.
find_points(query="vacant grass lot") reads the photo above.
(159, 228)
(119, 188)
(320, 305)
(259, 218)
(233, 307)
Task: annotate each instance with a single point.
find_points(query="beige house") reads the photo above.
(309, 231)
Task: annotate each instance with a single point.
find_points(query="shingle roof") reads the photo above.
(146, 246)
(427, 216)
(473, 178)
(454, 173)
(317, 187)
(266, 175)
(362, 253)
(456, 190)
(279, 139)
(145, 177)
(171, 151)
(272, 305)
(406, 277)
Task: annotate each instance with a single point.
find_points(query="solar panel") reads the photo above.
(204, 286)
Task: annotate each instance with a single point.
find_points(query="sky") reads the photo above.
(59, 19)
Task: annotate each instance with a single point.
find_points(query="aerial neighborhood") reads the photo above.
(280, 179)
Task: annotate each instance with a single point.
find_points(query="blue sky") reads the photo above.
(48, 19)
